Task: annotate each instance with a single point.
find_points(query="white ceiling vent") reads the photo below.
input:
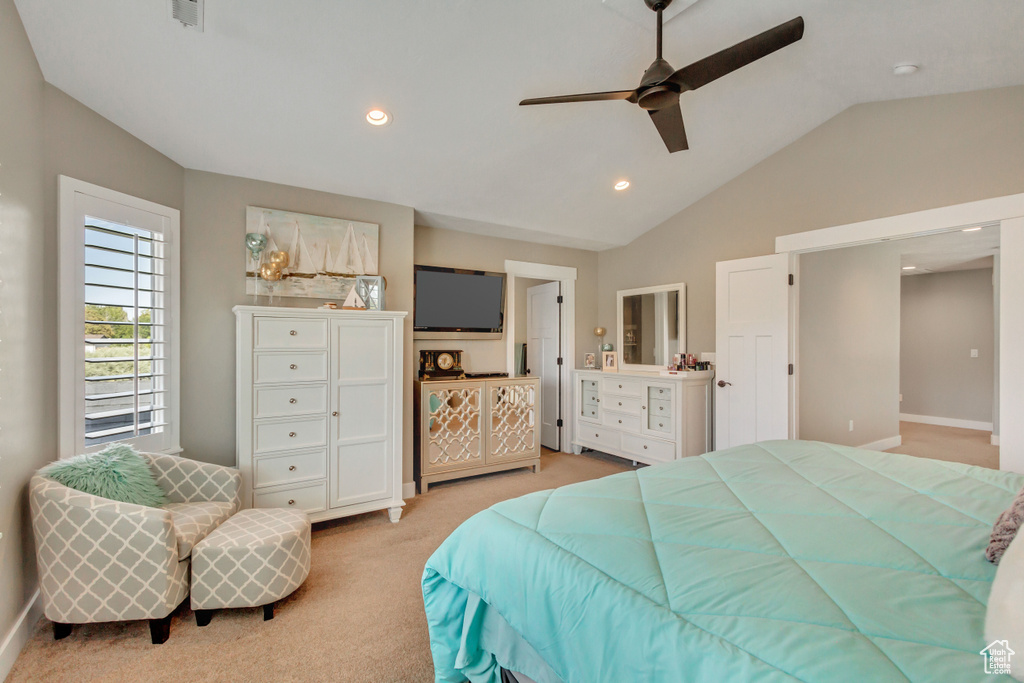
(188, 12)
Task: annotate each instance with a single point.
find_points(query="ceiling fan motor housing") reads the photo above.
(658, 4)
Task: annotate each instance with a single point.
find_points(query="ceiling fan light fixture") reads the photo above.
(378, 117)
(621, 185)
(905, 69)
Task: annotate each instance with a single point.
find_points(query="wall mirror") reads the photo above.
(652, 326)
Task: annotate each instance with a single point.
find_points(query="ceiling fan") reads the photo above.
(661, 85)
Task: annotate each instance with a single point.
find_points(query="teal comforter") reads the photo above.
(781, 561)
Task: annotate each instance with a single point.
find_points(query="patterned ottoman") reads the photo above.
(255, 558)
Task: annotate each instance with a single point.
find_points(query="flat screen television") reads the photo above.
(452, 303)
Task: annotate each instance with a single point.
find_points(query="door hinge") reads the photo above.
(559, 423)
(791, 279)
(559, 361)
(791, 368)
(559, 298)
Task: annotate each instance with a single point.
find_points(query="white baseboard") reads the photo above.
(995, 439)
(947, 422)
(19, 634)
(408, 490)
(884, 444)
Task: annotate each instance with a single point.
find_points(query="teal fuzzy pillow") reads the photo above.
(117, 472)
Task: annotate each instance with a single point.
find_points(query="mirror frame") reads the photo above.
(622, 293)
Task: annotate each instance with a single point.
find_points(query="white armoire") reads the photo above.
(319, 405)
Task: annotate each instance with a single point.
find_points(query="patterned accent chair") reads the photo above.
(101, 560)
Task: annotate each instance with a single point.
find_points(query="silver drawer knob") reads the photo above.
(598, 400)
(334, 414)
(291, 502)
(292, 400)
(596, 435)
(620, 386)
(660, 425)
(645, 447)
(291, 468)
(293, 366)
(292, 333)
(291, 434)
(661, 407)
(620, 421)
(620, 403)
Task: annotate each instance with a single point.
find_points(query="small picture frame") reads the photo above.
(590, 361)
(610, 361)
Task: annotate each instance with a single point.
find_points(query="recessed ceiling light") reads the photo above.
(904, 69)
(909, 267)
(621, 185)
(972, 229)
(378, 117)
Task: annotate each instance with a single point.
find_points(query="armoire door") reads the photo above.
(362, 379)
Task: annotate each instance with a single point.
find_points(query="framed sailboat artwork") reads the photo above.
(325, 255)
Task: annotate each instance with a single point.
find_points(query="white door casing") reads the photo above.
(542, 349)
(752, 350)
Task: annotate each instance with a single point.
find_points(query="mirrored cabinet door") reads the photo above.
(590, 400)
(661, 413)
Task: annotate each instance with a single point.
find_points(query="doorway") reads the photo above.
(565, 278)
(541, 331)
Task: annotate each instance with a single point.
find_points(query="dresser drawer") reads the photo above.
(589, 413)
(290, 367)
(660, 408)
(622, 404)
(309, 497)
(627, 423)
(622, 387)
(648, 449)
(285, 333)
(600, 438)
(286, 469)
(284, 401)
(590, 398)
(291, 435)
(589, 385)
(659, 423)
(659, 393)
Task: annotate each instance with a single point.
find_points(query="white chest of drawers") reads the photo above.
(643, 416)
(319, 410)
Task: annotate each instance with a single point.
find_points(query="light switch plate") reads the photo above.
(974, 353)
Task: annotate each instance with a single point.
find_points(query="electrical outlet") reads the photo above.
(851, 425)
(974, 353)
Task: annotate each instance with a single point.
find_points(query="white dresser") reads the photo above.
(643, 416)
(319, 405)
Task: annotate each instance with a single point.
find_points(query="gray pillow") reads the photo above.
(1005, 529)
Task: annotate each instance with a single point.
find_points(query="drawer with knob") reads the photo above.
(660, 408)
(648, 449)
(589, 413)
(622, 404)
(285, 469)
(277, 333)
(621, 387)
(284, 401)
(627, 423)
(291, 434)
(591, 398)
(660, 423)
(310, 497)
(600, 438)
(290, 367)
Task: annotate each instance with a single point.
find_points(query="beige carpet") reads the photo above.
(359, 616)
(952, 444)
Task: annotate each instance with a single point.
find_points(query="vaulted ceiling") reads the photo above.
(278, 91)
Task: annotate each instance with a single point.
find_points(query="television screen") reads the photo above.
(449, 300)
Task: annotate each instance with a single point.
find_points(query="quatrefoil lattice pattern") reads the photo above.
(454, 426)
(513, 419)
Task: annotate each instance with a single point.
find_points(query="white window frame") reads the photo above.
(71, 324)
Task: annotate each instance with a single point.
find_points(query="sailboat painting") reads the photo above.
(324, 254)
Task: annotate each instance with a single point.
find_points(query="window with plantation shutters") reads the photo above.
(118, 321)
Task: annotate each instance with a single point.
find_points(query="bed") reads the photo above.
(779, 561)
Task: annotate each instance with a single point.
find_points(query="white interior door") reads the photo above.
(542, 326)
(752, 350)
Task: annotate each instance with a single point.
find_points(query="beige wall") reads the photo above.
(213, 281)
(28, 378)
(873, 160)
(943, 317)
(850, 345)
(439, 247)
(44, 134)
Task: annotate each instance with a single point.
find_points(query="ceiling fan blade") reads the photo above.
(730, 59)
(669, 122)
(585, 97)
